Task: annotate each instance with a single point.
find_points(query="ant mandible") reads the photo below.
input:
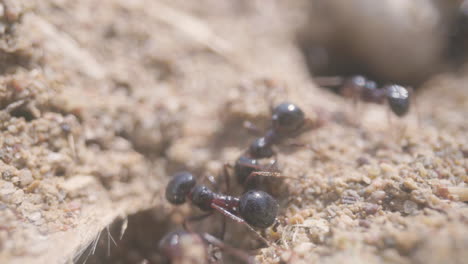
(253, 208)
(173, 250)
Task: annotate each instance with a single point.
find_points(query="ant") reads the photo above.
(359, 87)
(288, 120)
(253, 208)
(174, 248)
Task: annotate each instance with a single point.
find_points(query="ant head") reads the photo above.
(173, 244)
(258, 208)
(287, 118)
(261, 148)
(171, 240)
(398, 98)
(244, 167)
(179, 187)
(202, 197)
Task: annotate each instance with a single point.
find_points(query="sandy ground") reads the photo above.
(101, 101)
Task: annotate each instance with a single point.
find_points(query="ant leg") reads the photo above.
(241, 255)
(389, 117)
(393, 132)
(257, 167)
(226, 176)
(268, 174)
(416, 108)
(187, 226)
(356, 110)
(299, 145)
(241, 221)
(399, 129)
(260, 173)
(273, 164)
(223, 228)
(322, 117)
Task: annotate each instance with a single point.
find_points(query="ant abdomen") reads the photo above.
(179, 187)
(258, 208)
(398, 99)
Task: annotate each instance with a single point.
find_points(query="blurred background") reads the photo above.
(102, 101)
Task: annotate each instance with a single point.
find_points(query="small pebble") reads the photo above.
(12, 129)
(36, 216)
(25, 178)
(409, 207)
(7, 188)
(362, 161)
(364, 223)
(370, 208)
(6, 175)
(17, 197)
(409, 185)
(377, 196)
(303, 248)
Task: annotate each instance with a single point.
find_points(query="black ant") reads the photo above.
(360, 88)
(253, 208)
(288, 120)
(174, 248)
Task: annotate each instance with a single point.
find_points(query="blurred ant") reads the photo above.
(176, 247)
(360, 88)
(253, 208)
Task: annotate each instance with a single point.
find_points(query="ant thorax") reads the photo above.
(202, 197)
(231, 203)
